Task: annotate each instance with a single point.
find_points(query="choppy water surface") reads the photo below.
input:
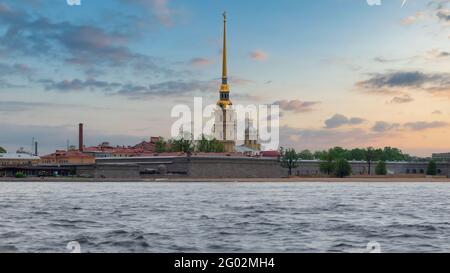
(224, 217)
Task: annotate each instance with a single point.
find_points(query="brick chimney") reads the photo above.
(80, 137)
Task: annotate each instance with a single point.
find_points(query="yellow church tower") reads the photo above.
(225, 116)
(224, 100)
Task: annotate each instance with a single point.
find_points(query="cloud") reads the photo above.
(79, 85)
(19, 106)
(392, 82)
(339, 120)
(159, 8)
(348, 63)
(201, 62)
(235, 80)
(423, 125)
(443, 15)
(130, 90)
(259, 55)
(163, 12)
(83, 45)
(413, 18)
(431, 55)
(436, 9)
(436, 54)
(50, 138)
(385, 60)
(168, 88)
(316, 139)
(14, 69)
(442, 11)
(9, 107)
(382, 126)
(401, 100)
(396, 79)
(297, 106)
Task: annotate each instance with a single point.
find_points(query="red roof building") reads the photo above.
(145, 148)
(61, 157)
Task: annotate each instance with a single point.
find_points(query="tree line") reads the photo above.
(2, 150)
(185, 143)
(335, 161)
(357, 154)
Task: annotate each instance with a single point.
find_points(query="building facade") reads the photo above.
(67, 158)
(441, 157)
(18, 159)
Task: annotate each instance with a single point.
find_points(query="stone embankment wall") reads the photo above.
(230, 167)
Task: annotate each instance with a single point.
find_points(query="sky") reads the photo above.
(344, 73)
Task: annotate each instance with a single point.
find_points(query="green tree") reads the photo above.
(20, 175)
(328, 165)
(203, 145)
(209, 145)
(432, 168)
(343, 168)
(381, 168)
(183, 143)
(217, 146)
(306, 155)
(319, 155)
(356, 154)
(370, 155)
(161, 146)
(2, 150)
(289, 159)
(338, 153)
(392, 154)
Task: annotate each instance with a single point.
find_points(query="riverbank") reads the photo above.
(356, 179)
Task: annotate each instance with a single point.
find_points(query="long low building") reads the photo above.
(34, 171)
(18, 159)
(204, 166)
(183, 166)
(230, 167)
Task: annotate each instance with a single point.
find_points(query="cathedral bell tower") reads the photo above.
(224, 100)
(225, 116)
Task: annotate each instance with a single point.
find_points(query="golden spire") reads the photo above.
(224, 63)
(224, 88)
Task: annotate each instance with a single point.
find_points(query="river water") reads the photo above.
(224, 217)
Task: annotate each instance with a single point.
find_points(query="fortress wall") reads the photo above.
(113, 171)
(311, 168)
(206, 167)
(234, 168)
(177, 165)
